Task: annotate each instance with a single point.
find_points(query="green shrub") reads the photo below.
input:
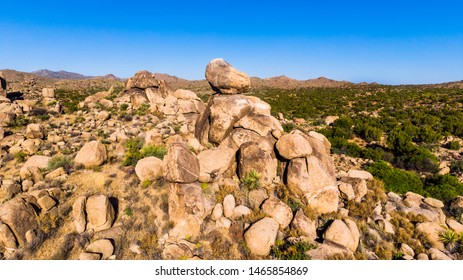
(251, 180)
(136, 151)
(454, 145)
(154, 151)
(128, 211)
(20, 156)
(58, 161)
(443, 187)
(291, 250)
(396, 180)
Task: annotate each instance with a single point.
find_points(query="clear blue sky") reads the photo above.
(390, 41)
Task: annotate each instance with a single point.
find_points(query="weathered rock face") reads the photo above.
(214, 162)
(225, 111)
(278, 210)
(142, 80)
(291, 146)
(261, 236)
(181, 165)
(431, 231)
(308, 178)
(253, 157)
(7, 238)
(344, 233)
(35, 131)
(102, 246)
(187, 209)
(20, 217)
(225, 79)
(48, 93)
(304, 225)
(100, 213)
(92, 154)
(149, 168)
(79, 215)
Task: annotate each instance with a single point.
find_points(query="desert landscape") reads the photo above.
(231, 167)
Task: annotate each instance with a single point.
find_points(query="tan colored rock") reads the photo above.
(261, 236)
(48, 93)
(103, 116)
(261, 124)
(240, 211)
(433, 202)
(103, 247)
(259, 107)
(422, 257)
(257, 197)
(455, 226)
(431, 231)
(413, 199)
(84, 256)
(228, 205)
(225, 79)
(79, 215)
(20, 218)
(188, 207)
(344, 233)
(347, 192)
(304, 225)
(278, 210)
(223, 222)
(329, 249)
(252, 157)
(3, 84)
(436, 254)
(35, 131)
(217, 212)
(406, 249)
(361, 174)
(309, 178)
(214, 162)
(291, 146)
(91, 154)
(46, 202)
(7, 238)
(142, 80)
(225, 111)
(149, 168)
(100, 213)
(181, 165)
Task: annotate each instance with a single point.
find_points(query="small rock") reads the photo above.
(89, 256)
(228, 205)
(102, 246)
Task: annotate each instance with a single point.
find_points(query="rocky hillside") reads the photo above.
(146, 172)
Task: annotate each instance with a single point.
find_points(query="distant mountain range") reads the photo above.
(67, 75)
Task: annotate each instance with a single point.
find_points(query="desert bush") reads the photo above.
(251, 180)
(58, 161)
(291, 250)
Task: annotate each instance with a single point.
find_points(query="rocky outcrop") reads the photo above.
(3, 85)
(181, 165)
(225, 79)
(20, 218)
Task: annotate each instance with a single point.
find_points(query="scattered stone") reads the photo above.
(48, 93)
(84, 256)
(102, 246)
(361, 174)
(436, 254)
(217, 212)
(91, 154)
(149, 168)
(35, 131)
(304, 225)
(79, 215)
(100, 213)
(228, 205)
(223, 222)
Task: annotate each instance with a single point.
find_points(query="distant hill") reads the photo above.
(60, 75)
(65, 75)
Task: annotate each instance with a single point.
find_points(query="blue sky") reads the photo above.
(390, 42)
